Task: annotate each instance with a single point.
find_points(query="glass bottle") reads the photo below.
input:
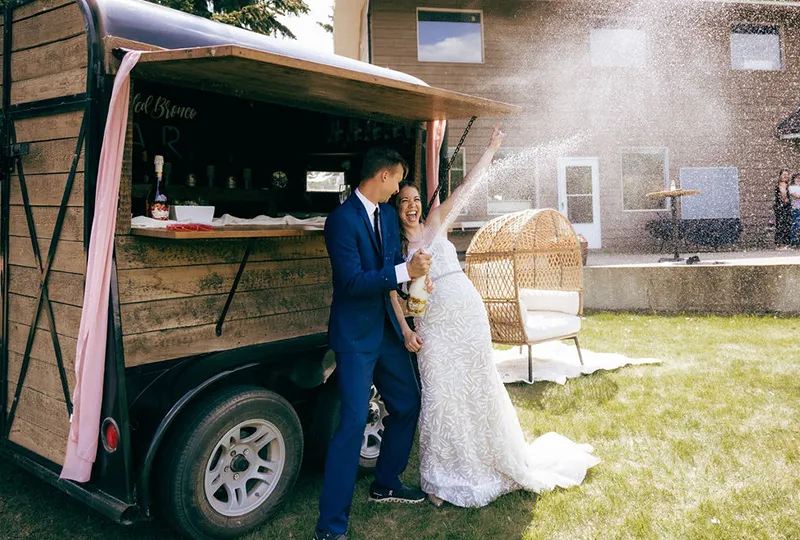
(417, 296)
(157, 198)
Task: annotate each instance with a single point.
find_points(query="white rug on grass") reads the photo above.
(557, 361)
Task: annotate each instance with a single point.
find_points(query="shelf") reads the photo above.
(231, 231)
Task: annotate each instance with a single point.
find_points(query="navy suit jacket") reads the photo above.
(362, 278)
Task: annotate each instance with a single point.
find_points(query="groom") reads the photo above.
(363, 242)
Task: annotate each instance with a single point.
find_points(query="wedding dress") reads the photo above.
(472, 448)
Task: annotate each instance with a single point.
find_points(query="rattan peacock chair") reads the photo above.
(527, 267)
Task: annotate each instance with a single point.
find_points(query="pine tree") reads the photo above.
(257, 15)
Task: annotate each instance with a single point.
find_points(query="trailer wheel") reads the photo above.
(326, 420)
(231, 463)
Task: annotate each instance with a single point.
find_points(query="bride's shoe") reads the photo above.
(435, 501)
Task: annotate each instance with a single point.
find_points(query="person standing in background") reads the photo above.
(794, 196)
(782, 207)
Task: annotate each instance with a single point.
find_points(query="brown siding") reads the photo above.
(49, 51)
(49, 60)
(688, 100)
(172, 293)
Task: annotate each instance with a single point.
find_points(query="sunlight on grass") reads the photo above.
(704, 445)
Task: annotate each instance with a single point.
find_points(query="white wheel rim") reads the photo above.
(373, 432)
(244, 468)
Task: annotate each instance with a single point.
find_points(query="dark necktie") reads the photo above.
(377, 225)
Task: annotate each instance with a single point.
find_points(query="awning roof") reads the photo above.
(302, 83)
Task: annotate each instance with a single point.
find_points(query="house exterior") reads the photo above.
(619, 99)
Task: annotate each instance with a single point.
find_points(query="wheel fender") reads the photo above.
(180, 405)
(313, 373)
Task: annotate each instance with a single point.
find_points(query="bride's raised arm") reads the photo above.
(438, 214)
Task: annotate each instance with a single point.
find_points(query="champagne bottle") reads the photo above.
(157, 199)
(417, 296)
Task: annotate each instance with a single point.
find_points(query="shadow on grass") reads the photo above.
(561, 399)
(508, 517)
(31, 508)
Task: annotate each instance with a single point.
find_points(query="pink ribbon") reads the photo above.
(433, 144)
(90, 357)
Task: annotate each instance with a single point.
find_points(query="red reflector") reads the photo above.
(110, 435)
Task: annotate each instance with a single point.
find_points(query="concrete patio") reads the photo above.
(721, 282)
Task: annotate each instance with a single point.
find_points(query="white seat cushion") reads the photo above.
(568, 302)
(544, 325)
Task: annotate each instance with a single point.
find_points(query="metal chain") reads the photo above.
(450, 163)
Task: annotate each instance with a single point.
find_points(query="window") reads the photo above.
(618, 47)
(719, 193)
(325, 181)
(755, 47)
(643, 171)
(449, 36)
(457, 172)
(512, 184)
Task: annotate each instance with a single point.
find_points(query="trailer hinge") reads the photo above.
(17, 150)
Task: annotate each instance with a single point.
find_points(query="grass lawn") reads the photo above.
(705, 445)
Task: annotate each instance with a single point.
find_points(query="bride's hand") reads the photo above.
(497, 138)
(412, 341)
(428, 284)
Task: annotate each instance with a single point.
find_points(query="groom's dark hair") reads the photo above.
(380, 157)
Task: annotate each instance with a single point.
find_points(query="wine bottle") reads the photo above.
(157, 199)
(417, 296)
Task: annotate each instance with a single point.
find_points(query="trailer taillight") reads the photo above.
(109, 433)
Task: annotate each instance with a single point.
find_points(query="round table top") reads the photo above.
(673, 193)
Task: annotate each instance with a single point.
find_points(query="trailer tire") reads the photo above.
(230, 464)
(326, 420)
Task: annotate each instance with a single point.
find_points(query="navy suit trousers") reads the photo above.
(392, 371)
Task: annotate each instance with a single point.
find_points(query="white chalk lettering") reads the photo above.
(161, 108)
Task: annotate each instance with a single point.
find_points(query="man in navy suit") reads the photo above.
(363, 241)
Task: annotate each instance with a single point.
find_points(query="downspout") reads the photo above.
(367, 18)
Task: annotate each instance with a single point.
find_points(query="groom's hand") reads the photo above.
(419, 265)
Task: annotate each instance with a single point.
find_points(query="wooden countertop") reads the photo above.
(231, 231)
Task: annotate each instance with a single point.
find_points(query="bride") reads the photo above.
(472, 448)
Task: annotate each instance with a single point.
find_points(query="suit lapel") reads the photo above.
(367, 221)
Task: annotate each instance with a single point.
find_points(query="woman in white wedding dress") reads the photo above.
(472, 447)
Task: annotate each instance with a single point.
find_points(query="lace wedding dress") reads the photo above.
(472, 448)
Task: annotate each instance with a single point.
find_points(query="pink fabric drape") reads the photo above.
(433, 144)
(91, 350)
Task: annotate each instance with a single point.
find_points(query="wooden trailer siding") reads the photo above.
(42, 376)
(146, 284)
(48, 157)
(47, 190)
(38, 440)
(172, 293)
(47, 128)
(40, 6)
(126, 176)
(68, 318)
(49, 60)
(70, 256)
(139, 252)
(40, 23)
(45, 219)
(62, 287)
(42, 348)
(49, 51)
(184, 312)
(39, 423)
(167, 344)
